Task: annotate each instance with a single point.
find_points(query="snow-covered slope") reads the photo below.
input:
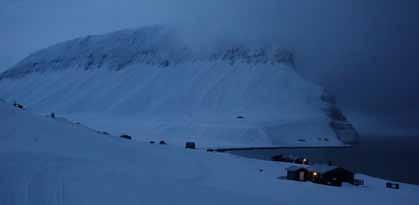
(149, 83)
(51, 161)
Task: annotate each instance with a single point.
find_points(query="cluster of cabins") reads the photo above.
(322, 174)
(290, 159)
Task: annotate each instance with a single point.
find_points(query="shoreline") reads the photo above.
(388, 158)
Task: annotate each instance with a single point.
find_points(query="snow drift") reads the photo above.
(150, 83)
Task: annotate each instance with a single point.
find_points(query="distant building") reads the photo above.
(321, 174)
(17, 105)
(297, 173)
(330, 175)
(282, 158)
(125, 136)
(391, 185)
(190, 145)
(301, 161)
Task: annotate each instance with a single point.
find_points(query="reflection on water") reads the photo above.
(393, 158)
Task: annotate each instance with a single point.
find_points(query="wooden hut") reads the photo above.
(297, 173)
(391, 185)
(190, 145)
(330, 175)
(125, 136)
(301, 161)
(282, 158)
(19, 106)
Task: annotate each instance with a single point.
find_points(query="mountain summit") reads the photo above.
(154, 45)
(151, 83)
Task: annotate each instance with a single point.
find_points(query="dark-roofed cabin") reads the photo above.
(190, 145)
(282, 158)
(125, 136)
(301, 161)
(331, 175)
(297, 173)
(17, 105)
(392, 185)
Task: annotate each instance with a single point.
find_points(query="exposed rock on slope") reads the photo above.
(337, 120)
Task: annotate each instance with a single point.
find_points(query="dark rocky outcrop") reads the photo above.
(337, 120)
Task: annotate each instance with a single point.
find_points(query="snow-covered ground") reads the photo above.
(52, 161)
(196, 101)
(150, 84)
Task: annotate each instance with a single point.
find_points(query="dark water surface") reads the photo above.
(392, 158)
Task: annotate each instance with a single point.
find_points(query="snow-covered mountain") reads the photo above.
(153, 84)
(155, 45)
(48, 160)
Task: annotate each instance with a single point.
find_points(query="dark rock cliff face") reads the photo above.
(338, 122)
(254, 56)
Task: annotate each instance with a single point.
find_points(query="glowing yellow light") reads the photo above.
(314, 173)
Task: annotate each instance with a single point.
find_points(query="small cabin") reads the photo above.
(282, 158)
(330, 175)
(19, 106)
(391, 185)
(190, 145)
(359, 182)
(297, 173)
(290, 159)
(126, 137)
(162, 142)
(301, 161)
(102, 132)
(321, 174)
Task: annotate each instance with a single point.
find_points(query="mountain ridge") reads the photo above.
(149, 75)
(154, 45)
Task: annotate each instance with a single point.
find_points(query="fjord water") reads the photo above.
(392, 158)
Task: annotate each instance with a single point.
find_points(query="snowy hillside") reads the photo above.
(52, 161)
(152, 84)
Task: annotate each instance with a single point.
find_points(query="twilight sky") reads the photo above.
(366, 52)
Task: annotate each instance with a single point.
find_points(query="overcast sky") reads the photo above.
(365, 51)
